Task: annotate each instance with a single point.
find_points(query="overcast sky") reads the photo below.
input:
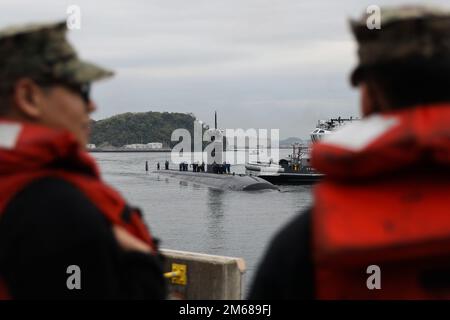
(280, 64)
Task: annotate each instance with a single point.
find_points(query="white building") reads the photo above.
(141, 146)
(135, 146)
(155, 145)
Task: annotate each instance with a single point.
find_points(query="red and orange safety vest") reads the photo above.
(385, 202)
(30, 152)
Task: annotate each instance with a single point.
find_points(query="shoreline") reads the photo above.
(123, 150)
(151, 150)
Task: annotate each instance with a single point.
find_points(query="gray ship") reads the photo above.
(217, 175)
(234, 182)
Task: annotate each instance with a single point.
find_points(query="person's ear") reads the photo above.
(366, 103)
(374, 99)
(27, 98)
(370, 99)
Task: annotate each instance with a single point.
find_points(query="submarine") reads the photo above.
(215, 175)
(234, 182)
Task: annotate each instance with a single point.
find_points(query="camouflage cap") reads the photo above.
(408, 33)
(42, 52)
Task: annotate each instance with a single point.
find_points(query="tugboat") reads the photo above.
(297, 168)
(294, 170)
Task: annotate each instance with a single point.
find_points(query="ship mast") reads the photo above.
(215, 120)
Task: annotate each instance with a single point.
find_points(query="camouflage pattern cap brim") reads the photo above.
(421, 33)
(402, 13)
(42, 52)
(78, 71)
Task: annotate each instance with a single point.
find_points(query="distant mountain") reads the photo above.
(143, 127)
(290, 141)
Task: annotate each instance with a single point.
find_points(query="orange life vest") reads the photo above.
(385, 202)
(30, 152)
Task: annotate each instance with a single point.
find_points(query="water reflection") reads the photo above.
(215, 219)
(193, 217)
(183, 183)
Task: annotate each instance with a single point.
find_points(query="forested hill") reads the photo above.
(143, 127)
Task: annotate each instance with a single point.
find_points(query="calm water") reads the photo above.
(193, 217)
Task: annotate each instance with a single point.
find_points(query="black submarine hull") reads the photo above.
(235, 182)
(279, 177)
(292, 178)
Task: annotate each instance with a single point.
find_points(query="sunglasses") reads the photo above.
(83, 90)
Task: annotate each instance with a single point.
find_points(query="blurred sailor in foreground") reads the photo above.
(57, 216)
(380, 223)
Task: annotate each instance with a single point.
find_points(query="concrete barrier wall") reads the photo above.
(202, 276)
